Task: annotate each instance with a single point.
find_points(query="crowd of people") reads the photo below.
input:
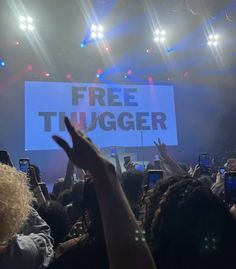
(114, 219)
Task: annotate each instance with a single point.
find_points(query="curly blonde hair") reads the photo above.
(15, 200)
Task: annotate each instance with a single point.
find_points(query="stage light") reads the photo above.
(2, 63)
(163, 32)
(30, 27)
(100, 35)
(98, 75)
(213, 40)
(30, 19)
(97, 31)
(22, 26)
(94, 27)
(69, 76)
(129, 72)
(29, 67)
(186, 74)
(82, 45)
(26, 23)
(46, 74)
(160, 36)
(100, 28)
(93, 35)
(22, 19)
(99, 71)
(162, 39)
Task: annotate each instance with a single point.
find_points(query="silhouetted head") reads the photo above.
(132, 183)
(55, 216)
(191, 228)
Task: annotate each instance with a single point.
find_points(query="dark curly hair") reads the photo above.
(132, 184)
(192, 228)
(154, 198)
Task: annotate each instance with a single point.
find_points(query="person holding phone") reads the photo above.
(218, 188)
(128, 164)
(25, 241)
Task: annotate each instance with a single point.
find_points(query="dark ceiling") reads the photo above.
(61, 26)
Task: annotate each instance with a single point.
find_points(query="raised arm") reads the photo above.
(69, 179)
(171, 167)
(126, 246)
(118, 166)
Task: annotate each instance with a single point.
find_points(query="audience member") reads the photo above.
(25, 240)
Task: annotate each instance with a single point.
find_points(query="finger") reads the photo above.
(159, 141)
(155, 143)
(62, 143)
(70, 128)
(80, 132)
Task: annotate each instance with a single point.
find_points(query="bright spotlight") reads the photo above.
(22, 26)
(163, 32)
(30, 19)
(97, 31)
(213, 40)
(30, 27)
(100, 28)
(94, 27)
(22, 19)
(2, 63)
(93, 35)
(160, 36)
(100, 35)
(26, 23)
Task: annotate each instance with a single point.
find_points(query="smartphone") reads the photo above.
(153, 176)
(44, 189)
(139, 167)
(204, 163)
(127, 159)
(157, 164)
(113, 152)
(3, 157)
(230, 187)
(204, 160)
(24, 164)
(221, 170)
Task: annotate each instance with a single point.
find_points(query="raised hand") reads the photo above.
(82, 153)
(161, 149)
(196, 172)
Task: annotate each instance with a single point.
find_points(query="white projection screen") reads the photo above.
(110, 114)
